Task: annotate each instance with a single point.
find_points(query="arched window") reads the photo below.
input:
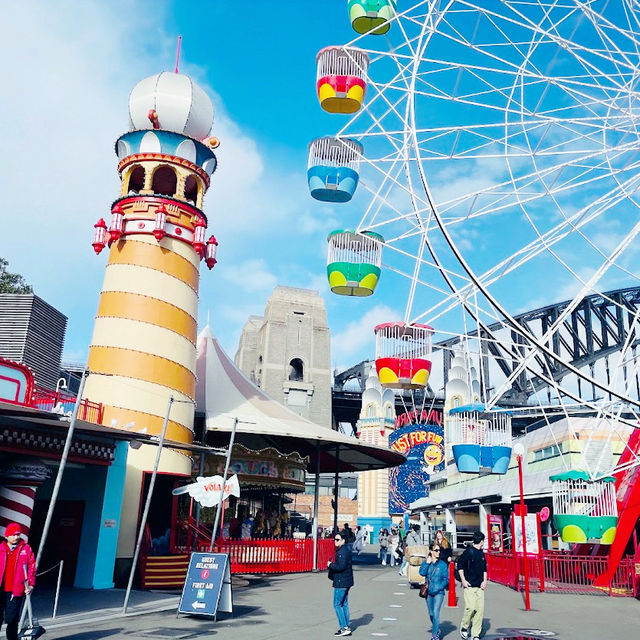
(371, 411)
(389, 412)
(164, 181)
(296, 370)
(457, 401)
(191, 189)
(136, 180)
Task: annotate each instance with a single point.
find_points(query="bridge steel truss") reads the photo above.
(596, 329)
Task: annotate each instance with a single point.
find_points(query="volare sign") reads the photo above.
(207, 588)
(207, 491)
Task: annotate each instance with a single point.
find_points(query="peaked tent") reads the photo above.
(224, 393)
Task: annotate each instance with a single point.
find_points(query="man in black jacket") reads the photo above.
(341, 573)
(472, 568)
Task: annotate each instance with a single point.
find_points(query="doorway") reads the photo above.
(63, 540)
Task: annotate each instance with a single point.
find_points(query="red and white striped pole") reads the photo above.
(16, 505)
(19, 480)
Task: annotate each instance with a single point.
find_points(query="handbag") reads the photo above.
(34, 630)
(423, 592)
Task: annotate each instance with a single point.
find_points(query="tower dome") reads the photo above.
(180, 105)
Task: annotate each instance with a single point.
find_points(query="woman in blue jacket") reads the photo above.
(341, 572)
(437, 574)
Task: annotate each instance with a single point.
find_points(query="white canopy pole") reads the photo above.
(316, 495)
(147, 505)
(224, 481)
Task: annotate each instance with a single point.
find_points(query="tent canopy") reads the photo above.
(224, 394)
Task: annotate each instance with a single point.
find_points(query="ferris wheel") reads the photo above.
(487, 157)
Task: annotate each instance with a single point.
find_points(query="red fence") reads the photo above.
(562, 573)
(49, 400)
(255, 556)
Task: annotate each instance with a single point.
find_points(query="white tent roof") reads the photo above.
(224, 393)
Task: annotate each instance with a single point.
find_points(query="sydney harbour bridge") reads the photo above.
(589, 336)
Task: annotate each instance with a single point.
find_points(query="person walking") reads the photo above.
(341, 574)
(412, 539)
(436, 572)
(17, 577)
(383, 541)
(443, 543)
(394, 542)
(358, 544)
(472, 568)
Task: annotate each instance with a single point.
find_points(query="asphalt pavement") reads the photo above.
(382, 605)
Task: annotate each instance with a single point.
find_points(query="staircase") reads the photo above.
(164, 572)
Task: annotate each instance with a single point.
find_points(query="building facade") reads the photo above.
(287, 352)
(32, 333)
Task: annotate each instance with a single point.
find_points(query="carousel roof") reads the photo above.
(224, 394)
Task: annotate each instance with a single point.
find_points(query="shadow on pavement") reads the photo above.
(89, 635)
(362, 621)
(447, 627)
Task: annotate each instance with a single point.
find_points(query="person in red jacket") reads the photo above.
(17, 577)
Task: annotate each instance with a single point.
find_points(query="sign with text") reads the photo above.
(207, 491)
(532, 533)
(423, 445)
(207, 588)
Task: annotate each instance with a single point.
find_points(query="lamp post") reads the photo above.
(518, 449)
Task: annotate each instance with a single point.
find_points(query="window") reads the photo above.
(136, 181)
(191, 190)
(164, 181)
(389, 412)
(547, 452)
(296, 370)
(371, 411)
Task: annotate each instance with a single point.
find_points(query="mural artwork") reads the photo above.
(423, 444)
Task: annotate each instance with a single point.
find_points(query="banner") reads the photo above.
(423, 445)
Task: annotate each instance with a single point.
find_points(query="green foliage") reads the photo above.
(12, 282)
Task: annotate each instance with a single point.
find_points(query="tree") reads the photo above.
(12, 282)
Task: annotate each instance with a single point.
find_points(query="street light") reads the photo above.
(518, 450)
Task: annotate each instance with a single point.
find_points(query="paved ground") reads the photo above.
(382, 605)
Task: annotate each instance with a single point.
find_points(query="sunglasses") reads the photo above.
(337, 539)
(436, 550)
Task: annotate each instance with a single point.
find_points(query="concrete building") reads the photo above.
(287, 352)
(32, 333)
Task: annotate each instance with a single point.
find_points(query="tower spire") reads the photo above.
(178, 54)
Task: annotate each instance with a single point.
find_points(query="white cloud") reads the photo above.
(252, 276)
(357, 340)
(67, 70)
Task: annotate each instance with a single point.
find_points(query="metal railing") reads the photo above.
(562, 573)
(63, 402)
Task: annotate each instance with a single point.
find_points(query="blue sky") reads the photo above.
(68, 68)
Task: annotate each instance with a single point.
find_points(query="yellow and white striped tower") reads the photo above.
(144, 342)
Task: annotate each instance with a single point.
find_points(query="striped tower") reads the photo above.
(18, 484)
(144, 342)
